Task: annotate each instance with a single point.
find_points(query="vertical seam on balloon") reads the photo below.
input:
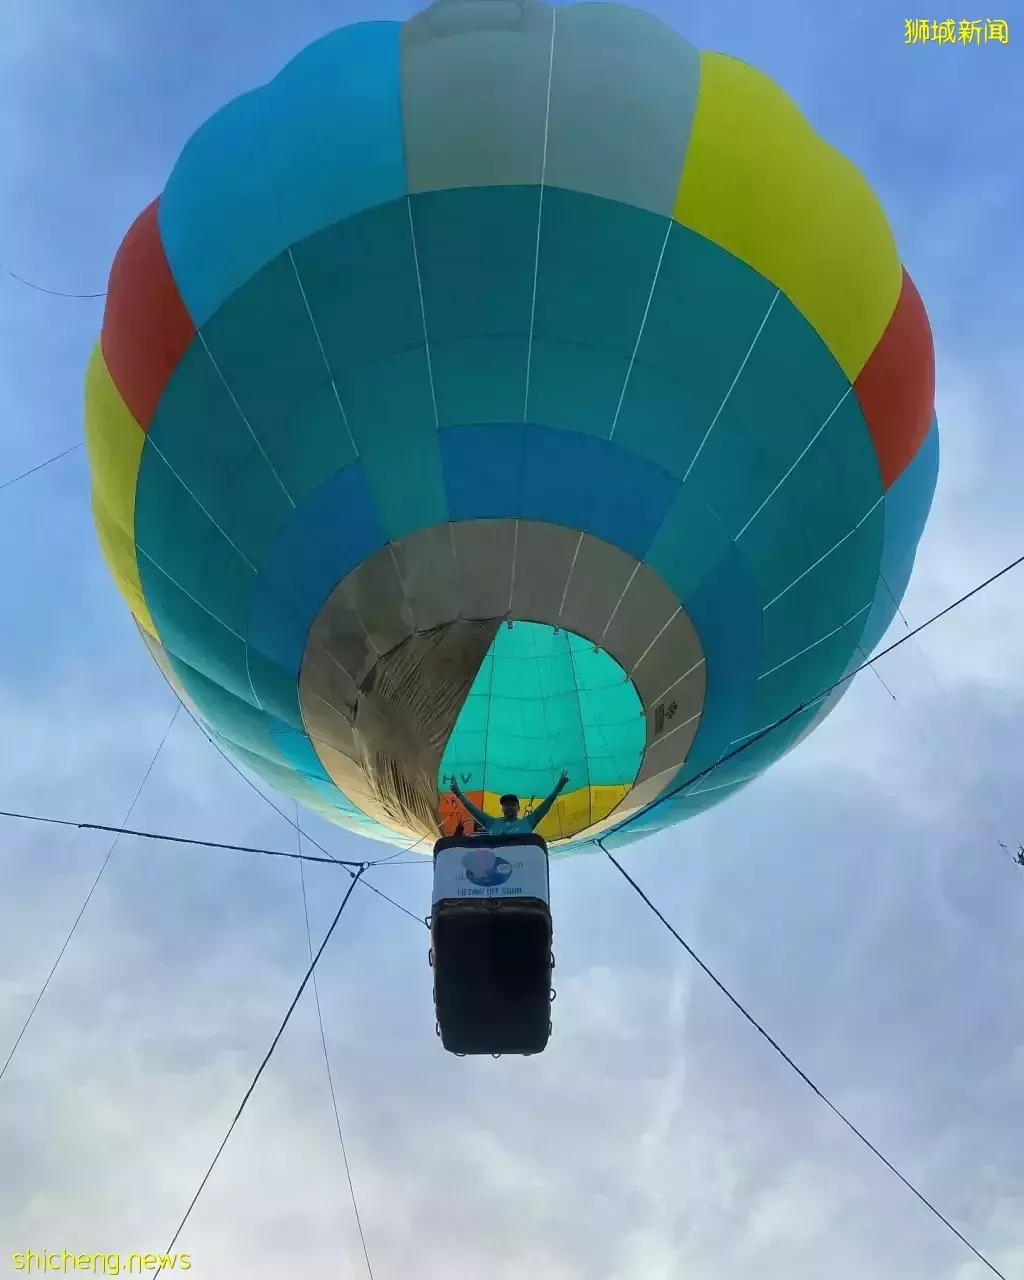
(626, 789)
(519, 507)
(487, 719)
(288, 609)
(521, 479)
(643, 326)
(819, 560)
(547, 735)
(540, 216)
(682, 725)
(814, 702)
(337, 662)
(251, 567)
(679, 680)
(241, 412)
(245, 561)
(881, 553)
(732, 385)
(631, 817)
(806, 449)
(672, 619)
(568, 579)
(515, 552)
(423, 309)
(629, 583)
(401, 584)
(366, 630)
(198, 603)
(586, 754)
(704, 702)
(313, 737)
(455, 565)
(248, 671)
(892, 597)
(700, 789)
(878, 462)
(834, 632)
(362, 813)
(323, 352)
(132, 539)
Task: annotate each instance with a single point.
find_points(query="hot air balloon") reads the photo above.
(509, 390)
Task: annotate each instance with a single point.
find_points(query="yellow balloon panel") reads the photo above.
(114, 442)
(762, 184)
(572, 812)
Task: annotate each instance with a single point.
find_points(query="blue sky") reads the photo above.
(856, 898)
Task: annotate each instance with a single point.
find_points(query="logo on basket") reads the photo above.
(485, 868)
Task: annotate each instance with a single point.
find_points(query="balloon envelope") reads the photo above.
(508, 390)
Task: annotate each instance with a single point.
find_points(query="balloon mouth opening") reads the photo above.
(545, 700)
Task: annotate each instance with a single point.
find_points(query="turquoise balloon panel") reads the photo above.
(322, 141)
(545, 700)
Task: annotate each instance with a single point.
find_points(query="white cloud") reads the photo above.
(801, 1209)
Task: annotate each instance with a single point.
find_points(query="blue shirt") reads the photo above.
(501, 826)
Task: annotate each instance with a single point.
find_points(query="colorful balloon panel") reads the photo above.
(518, 315)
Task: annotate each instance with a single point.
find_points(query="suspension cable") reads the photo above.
(6, 484)
(940, 764)
(379, 862)
(787, 1059)
(952, 777)
(269, 1054)
(53, 293)
(216, 844)
(88, 896)
(292, 822)
(804, 706)
(327, 1059)
(168, 839)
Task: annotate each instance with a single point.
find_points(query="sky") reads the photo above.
(856, 899)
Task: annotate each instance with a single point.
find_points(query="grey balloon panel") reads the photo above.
(474, 95)
(407, 713)
(646, 609)
(623, 97)
(459, 17)
(427, 565)
(599, 577)
(328, 710)
(373, 608)
(643, 792)
(544, 555)
(483, 554)
(676, 651)
(669, 748)
(352, 779)
(597, 98)
(376, 594)
(341, 637)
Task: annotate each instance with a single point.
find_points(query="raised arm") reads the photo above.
(481, 817)
(542, 810)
